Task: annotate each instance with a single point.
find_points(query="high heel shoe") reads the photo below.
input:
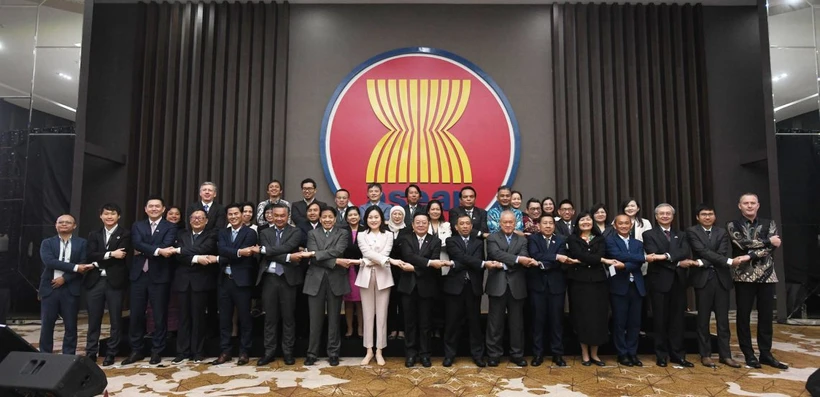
(367, 357)
(379, 357)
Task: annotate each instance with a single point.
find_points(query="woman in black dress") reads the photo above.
(588, 290)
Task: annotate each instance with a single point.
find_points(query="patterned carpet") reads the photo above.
(798, 346)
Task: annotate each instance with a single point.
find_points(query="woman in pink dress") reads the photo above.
(353, 299)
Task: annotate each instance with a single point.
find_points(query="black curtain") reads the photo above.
(630, 106)
(211, 106)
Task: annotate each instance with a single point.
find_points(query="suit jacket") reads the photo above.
(515, 276)
(479, 220)
(298, 210)
(561, 228)
(50, 255)
(306, 227)
(590, 269)
(243, 268)
(713, 251)
(199, 277)
(468, 260)
(289, 243)
(551, 278)
(116, 270)
(633, 257)
(159, 267)
(424, 277)
(216, 214)
(327, 249)
(375, 250)
(661, 274)
(408, 219)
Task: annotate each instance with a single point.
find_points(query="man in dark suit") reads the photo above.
(326, 282)
(666, 282)
(280, 276)
(467, 206)
(63, 259)
(106, 282)
(463, 287)
(237, 276)
(565, 226)
(413, 195)
(507, 290)
(194, 280)
(215, 211)
(299, 208)
(150, 275)
(547, 286)
(419, 288)
(712, 280)
(626, 289)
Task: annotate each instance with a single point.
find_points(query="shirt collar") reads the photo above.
(113, 229)
(237, 229)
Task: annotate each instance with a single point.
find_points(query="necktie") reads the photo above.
(205, 207)
(195, 236)
(466, 241)
(549, 240)
(626, 243)
(509, 238)
(421, 241)
(668, 235)
(709, 234)
(327, 233)
(569, 226)
(470, 213)
(412, 210)
(278, 270)
(278, 237)
(233, 235)
(153, 229)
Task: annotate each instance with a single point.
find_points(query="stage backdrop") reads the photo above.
(600, 102)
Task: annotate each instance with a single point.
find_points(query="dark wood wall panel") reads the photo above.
(629, 106)
(209, 101)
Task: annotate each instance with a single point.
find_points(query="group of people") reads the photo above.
(395, 265)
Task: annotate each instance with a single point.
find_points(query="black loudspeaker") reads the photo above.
(50, 374)
(813, 384)
(11, 342)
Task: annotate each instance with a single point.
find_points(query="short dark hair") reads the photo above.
(110, 207)
(534, 200)
(595, 208)
(704, 207)
(518, 193)
(545, 216)
(308, 180)
(407, 189)
(461, 192)
(577, 230)
(249, 204)
(352, 208)
(233, 205)
(504, 187)
(341, 190)
(566, 201)
(324, 209)
(374, 184)
(312, 204)
(276, 181)
(422, 213)
(199, 210)
(464, 215)
(154, 197)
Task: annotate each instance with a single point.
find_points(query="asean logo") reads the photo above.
(424, 116)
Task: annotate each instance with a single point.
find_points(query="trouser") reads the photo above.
(100, 295)
(746, 294)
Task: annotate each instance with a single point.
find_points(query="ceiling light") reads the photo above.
(779, 77)
(78, 44)
(64, 76)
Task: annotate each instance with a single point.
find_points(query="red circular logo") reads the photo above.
(419, 116)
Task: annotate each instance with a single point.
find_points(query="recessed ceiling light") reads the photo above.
(78, 44)
(779, 77)
(64, 76)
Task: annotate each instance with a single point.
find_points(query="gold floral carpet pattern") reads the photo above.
(798, 346)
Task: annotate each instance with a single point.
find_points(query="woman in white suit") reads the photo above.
(374, 281)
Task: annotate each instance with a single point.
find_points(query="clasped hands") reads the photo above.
(614, 262)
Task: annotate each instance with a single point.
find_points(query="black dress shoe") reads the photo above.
(334, 361)
(586, 363)
(625, 361)
(109, 360)
(493, 362)
(132, 358)
(636, 361)
(559, 361)
(222, 359)
(599, 363)
(479, 362)
(661, 362)
(410, 362)
(155, 359)
(683, 363)
(309, 360)
(265, 360)
(92, 357)
(243, 359)
(179, 359)
(289, 360)
(425, 362)
(448, 362)
(519, 361)
(752, 362)
(771, 361)
(537, 360)
(198, 358)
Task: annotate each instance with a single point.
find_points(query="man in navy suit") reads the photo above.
(63, 257)
(626, 289)
(150, 276)
(214, 210)
(237, 276)
(547, 285)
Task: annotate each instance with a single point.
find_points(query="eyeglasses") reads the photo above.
(308, 189)
(197, 218)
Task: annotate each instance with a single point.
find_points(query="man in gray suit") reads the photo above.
(507, 289)
(280, 275)
(326, 282)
